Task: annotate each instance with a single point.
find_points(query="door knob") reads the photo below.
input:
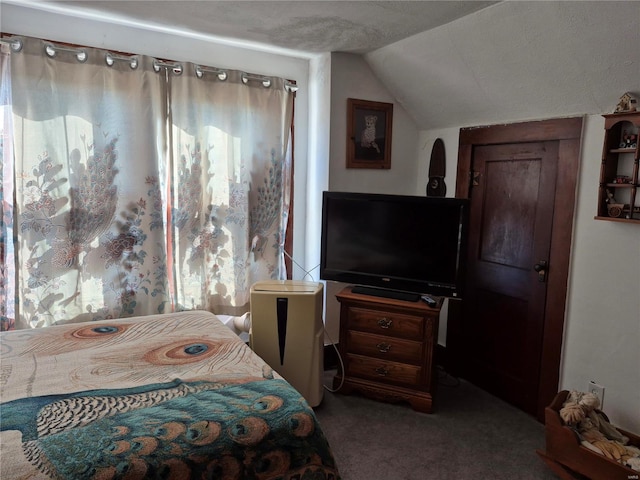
(541, 268)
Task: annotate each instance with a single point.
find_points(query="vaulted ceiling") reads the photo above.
(448, 63)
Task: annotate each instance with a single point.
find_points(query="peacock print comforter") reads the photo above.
(173, 396)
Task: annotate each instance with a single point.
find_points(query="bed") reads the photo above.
(162, 396)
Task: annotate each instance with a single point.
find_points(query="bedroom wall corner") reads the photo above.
(317, 180)
(451, 139)
(351, 77)
(602, 322)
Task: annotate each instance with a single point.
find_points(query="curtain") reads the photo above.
(89, 220)
(7, 260)
(136, 187)
(230, 133)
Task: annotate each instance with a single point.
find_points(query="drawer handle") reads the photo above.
(383, 372)
(383, 347)
(385, 322)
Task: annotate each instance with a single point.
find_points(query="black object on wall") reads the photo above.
(436, 186)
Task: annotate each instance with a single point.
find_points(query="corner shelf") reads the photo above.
(618, 198)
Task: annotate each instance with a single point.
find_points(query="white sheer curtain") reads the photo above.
(7, 259)
(230, 134)
(140, 187)
(89, 139)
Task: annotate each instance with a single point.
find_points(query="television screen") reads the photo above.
(394, 242)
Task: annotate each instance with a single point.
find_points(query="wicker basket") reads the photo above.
(569, 459)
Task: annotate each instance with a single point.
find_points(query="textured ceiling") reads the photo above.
(448, 64)
(310, 26)
(514, 61)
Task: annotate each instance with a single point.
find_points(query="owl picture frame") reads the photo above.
(369, 128)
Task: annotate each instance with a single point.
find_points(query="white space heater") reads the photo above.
(287, 332)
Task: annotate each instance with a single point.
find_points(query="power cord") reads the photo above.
(308, 273)
(341, 365)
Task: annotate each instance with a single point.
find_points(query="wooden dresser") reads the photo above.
(387, 347)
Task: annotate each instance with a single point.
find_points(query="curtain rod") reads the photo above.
(16, 43)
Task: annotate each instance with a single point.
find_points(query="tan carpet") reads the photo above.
(471, 435)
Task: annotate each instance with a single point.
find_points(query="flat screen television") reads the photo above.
(394, 245)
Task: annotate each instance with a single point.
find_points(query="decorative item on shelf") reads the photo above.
(627, 103)
(615, 209)
(623, 179)
(610, 198)
(629, 140)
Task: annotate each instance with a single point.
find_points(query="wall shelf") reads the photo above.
(618, 198)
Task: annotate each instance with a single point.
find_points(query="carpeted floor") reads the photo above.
(471, 435)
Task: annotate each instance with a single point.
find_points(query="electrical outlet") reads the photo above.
(598, 391)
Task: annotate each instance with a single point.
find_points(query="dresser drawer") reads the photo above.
(386, 323)
(384, 347)
(382, 370)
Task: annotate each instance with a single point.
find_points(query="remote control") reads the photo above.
(428, 300)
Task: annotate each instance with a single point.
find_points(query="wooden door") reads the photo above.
(506, 333)
(510, 235)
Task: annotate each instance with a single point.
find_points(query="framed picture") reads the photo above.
(369, 134)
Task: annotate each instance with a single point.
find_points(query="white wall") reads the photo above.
(351, 77)
(602, 325)
(318, 160)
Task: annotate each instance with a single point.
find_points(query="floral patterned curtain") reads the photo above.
(230, 133)
(139, 188)
(88, 218)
